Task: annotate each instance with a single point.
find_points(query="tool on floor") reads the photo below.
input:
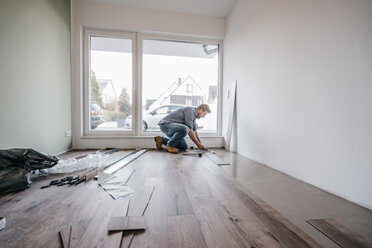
(194, 154)
(198, 152)
(70, 180)
(204, 151)
(66, 180)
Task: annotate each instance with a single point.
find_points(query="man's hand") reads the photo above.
(201, 147)
(194, 137)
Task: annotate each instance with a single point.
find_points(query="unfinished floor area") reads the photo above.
(186, 201)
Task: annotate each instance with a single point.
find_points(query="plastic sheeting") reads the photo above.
(71, 165)
(117, 188)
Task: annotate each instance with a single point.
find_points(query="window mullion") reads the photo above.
(138, 85)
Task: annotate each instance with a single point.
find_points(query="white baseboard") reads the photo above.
(142, 142)
(63, 152)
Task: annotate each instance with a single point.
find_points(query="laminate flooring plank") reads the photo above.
(184, 231)
(280, 228)
(79, 210)
(177, 203)
(96, 228)
(124, 162)
(127, 239)
(119, 208)
(80, 205)
(352, 235)
(241, 232)
(45, 212)
(217, 159)
(35, 216)
(77, 231)
(144, 165)
(139, 181)
(176, 199)
(65, 235)
(195, 183)
(339, 234)
(125, 223)
(150, 172)
(117, 156)
(229, 215)
(103, 177)
(96, 234)
(140, 201)
(223, 190)
(242, 220)
(155, 234)
(71, 211)
(217, 231)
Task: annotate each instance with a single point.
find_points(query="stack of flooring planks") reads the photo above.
(185, 201)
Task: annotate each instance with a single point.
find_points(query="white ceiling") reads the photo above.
(216, 8)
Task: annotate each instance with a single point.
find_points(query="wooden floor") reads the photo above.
(192, 202)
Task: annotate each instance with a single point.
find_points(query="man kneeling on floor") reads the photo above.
(177, 125)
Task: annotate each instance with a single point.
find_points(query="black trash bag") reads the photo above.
(16, 165)
(14, 179)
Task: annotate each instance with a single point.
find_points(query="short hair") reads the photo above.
(204, 107)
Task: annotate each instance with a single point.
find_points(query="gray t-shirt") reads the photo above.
(185, 115)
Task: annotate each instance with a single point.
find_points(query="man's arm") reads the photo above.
(195, 138)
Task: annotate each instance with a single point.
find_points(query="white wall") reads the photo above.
(35, 79)
(116, 17)
(304, 101)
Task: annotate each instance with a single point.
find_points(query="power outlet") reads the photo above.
(68, 134)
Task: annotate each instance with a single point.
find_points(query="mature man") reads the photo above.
(177, 125)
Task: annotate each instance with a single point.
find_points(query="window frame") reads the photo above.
(176, 38)
(137, 83)
(88, 33)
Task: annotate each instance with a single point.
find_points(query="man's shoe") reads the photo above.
(158, 142)
(171, 149)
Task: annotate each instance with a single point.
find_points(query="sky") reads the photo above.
(159, 71)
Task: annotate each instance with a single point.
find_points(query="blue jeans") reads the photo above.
(176, 133)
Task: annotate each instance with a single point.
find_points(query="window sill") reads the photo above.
(132, 142)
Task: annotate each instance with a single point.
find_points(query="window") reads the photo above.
(123, 97)
(178, 74)
(189, 89)
(110, 82)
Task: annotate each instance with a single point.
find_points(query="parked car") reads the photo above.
(96, 115)
(152, 118)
